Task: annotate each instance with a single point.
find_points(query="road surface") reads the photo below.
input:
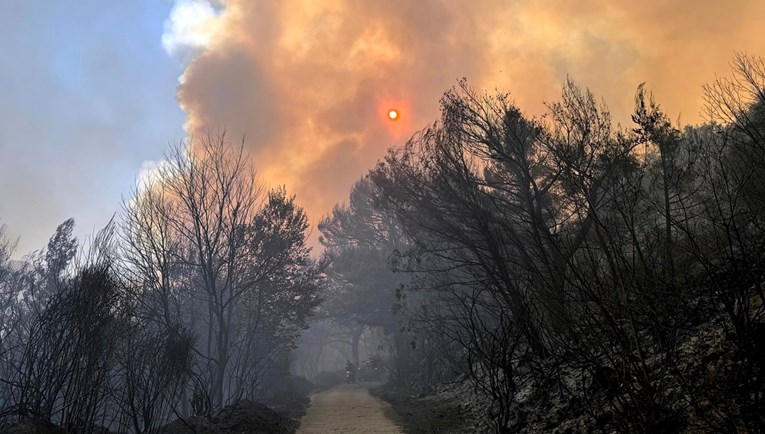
(348, 409)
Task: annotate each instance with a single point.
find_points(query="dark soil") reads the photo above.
(245, 417)
(283, 408)
(32, 427)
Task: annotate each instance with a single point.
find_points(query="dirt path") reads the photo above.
(348, 409)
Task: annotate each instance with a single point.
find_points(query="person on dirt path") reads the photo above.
(350, 372)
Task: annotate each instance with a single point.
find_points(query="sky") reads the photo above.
(92, 91)
(87, 96)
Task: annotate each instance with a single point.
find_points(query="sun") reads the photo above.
(393, 114)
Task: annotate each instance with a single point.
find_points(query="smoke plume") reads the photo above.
(310, 83)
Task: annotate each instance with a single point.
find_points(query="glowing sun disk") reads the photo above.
(393, 114)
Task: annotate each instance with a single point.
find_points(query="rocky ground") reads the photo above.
(454, 409)
(700, 393)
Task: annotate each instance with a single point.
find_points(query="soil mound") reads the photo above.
(244, 417)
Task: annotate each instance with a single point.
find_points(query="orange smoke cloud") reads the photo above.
(310, 83)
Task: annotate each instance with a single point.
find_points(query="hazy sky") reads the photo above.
(87, 94)
(89, 89)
